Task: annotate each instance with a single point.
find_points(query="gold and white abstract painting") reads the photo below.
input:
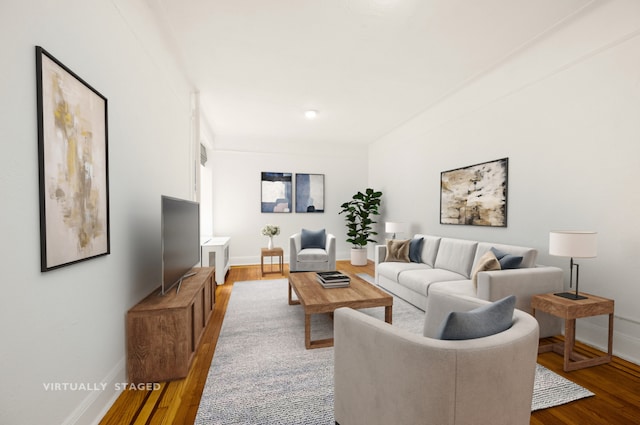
(73, 166)
(475, 195)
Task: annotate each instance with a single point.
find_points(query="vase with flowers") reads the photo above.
(270, 230)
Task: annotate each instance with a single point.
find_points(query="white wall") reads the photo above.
(565, 112)
(68, 325)
(236, 197)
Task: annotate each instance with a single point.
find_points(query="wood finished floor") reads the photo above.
(616, 385)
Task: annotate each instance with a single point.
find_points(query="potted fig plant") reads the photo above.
(359, 213)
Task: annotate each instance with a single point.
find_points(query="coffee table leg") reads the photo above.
(291, 300)
(318, 343)
(307, 331)
(388, 312)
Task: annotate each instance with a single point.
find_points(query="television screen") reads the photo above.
(180, 239)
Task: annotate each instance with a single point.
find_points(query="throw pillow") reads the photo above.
(397, 250)
(487, 262)
(415, 250)
(483, 321)
(313, 239)
(507, 261)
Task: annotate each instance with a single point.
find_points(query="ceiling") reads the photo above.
(366, 66)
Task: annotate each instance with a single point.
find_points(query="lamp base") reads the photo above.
(570, 296)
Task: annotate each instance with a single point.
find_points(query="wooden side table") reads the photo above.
(272, 252)
(570, 310)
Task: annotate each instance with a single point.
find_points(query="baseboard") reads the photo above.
(253, 260)
(624, 345)
(97, 403)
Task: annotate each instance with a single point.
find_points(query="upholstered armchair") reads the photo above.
(385, 375)
(312, 251)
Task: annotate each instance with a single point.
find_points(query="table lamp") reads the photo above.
(392, 227)
(573, 244)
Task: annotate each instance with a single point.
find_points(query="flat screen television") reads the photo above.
(180, 240)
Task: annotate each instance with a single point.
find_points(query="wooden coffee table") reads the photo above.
(317, 300)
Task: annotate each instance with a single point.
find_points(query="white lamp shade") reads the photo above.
(393, 227)
(575, 244)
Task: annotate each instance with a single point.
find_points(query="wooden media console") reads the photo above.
(163, 332)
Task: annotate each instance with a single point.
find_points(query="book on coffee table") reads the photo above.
(333, 279)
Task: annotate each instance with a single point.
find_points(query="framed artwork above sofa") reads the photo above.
(475, 195)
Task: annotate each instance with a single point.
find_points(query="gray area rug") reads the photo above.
(261, 372)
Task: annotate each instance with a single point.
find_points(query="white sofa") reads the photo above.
(385, 375)
(446, 264)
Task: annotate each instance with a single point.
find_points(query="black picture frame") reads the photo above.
(276, 192)
(309, 193)
(73, 165)
(475, 195)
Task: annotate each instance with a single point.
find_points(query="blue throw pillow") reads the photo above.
(313, 239)
(507, 261)
(415, 250)
(483, 321)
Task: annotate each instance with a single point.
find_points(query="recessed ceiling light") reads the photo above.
(311, 114)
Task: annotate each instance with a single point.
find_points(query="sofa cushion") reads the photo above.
(458, 287)
(429, 248)
(313, 239)
(392, 270)
(397, 250)
(488, 261)
(456, 255)
(529, 255)
(419, 280)
(415, 250)
(483, 321)
(507, 261)
(310, 255)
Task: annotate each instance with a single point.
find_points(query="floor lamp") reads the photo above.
(573, 244)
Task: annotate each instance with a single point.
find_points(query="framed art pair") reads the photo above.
(277, 193)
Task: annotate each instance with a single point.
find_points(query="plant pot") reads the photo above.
(359, 256)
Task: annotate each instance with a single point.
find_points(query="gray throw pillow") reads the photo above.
(507, 261)
(483, 321)
(313, 239)
(415, 250)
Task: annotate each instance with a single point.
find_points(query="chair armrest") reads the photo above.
(293, 251)
(331, 250)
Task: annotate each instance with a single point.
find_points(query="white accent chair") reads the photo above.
(385, 375)
(312, 259)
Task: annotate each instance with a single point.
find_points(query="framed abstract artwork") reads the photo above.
(475, 195)
(73, 166)
(309, 193)
(276, 191)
